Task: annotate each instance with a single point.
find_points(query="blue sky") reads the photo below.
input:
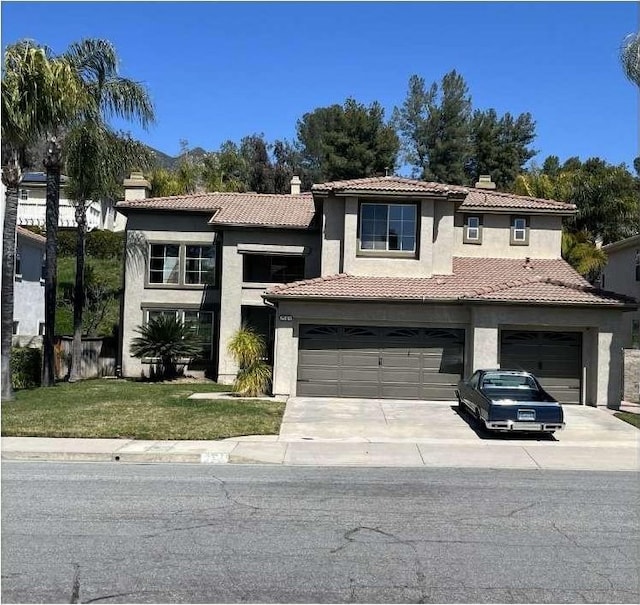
(219, 71)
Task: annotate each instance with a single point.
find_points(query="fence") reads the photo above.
(98, 356)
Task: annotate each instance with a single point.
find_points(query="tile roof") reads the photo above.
(30, 235)
(474, 279)
(483, 199)
(267, 210)
(387, 184)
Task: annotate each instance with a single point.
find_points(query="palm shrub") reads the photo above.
(248, 348)
(167, 338)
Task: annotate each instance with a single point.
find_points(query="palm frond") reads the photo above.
(630, 57)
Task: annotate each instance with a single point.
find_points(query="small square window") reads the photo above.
(24, 194)
(519, 231)
(472, 230)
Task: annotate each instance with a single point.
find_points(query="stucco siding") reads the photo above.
(545, 238)
(601, 329)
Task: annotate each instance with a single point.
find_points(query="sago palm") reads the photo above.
(167, 338)
(248, 348)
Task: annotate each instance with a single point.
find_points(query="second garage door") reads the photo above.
(386, 363)
(555, 358)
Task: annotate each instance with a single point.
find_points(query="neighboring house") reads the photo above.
(622, 274)
(32, 206)
(28, 293)
(399, 288)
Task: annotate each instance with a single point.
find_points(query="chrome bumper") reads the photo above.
(512, 425)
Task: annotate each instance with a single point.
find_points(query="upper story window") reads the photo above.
(24, 194)
(472, 229)
(519, 231)
(164, 264)
(182, 264)
(264, 268)
(388, 227)
(200, 265)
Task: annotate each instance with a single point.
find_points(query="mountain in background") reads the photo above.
(171, 163)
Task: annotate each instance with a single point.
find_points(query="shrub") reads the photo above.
(26, 363)
(105, 244)
(66, 242)
(168, 339)
(248, 348)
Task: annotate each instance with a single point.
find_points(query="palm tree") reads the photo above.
(98, 158)
(166, 338)
(579, 250)
(39, 94)
(630, 57)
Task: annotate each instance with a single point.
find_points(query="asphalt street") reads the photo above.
(108, 532)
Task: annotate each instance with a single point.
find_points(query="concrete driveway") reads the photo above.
(384, 420)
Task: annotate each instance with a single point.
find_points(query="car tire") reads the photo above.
(461, 406)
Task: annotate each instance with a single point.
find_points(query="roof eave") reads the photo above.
(514, 210)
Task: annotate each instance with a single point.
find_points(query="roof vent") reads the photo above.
(485, 182)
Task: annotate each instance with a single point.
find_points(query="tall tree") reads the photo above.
(255, 152)
(347, 141)
(435, 128)
(630, 57)
(98, 158)
(500, 146)
(39, 94)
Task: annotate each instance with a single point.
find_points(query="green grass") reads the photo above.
(108, 408)
(629, 417)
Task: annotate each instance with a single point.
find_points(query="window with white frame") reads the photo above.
(472, 229)
(388, 227)
(200, 265)
(24, 194)
(164, 264)
(519, 231)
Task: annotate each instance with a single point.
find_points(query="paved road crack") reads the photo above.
(75, 586)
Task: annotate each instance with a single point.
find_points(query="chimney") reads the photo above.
(485, 182)
(295, 185)
(136, 187)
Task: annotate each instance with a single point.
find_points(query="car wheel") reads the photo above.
(461, 406)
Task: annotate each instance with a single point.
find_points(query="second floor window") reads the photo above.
(24, 194)
(388, 227)
(200, 265)
(164, 264)
(472, 230)
(264, 268)
(519, 231)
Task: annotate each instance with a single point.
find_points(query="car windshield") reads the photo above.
(508, 381)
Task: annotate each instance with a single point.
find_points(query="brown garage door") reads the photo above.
(555, 358)
(386, 363)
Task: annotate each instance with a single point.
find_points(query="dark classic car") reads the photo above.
(510, 400)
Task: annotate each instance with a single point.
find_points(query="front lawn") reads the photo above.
(629, 417)
(139, 410)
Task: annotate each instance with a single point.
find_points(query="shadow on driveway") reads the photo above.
(481, 431)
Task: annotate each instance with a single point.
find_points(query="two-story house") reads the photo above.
(28, 289)
(389, 287)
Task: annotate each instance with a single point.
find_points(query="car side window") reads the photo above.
(473, 381)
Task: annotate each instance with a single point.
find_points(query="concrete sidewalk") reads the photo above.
(372, 433)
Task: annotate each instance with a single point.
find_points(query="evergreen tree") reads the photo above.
(347, 141)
